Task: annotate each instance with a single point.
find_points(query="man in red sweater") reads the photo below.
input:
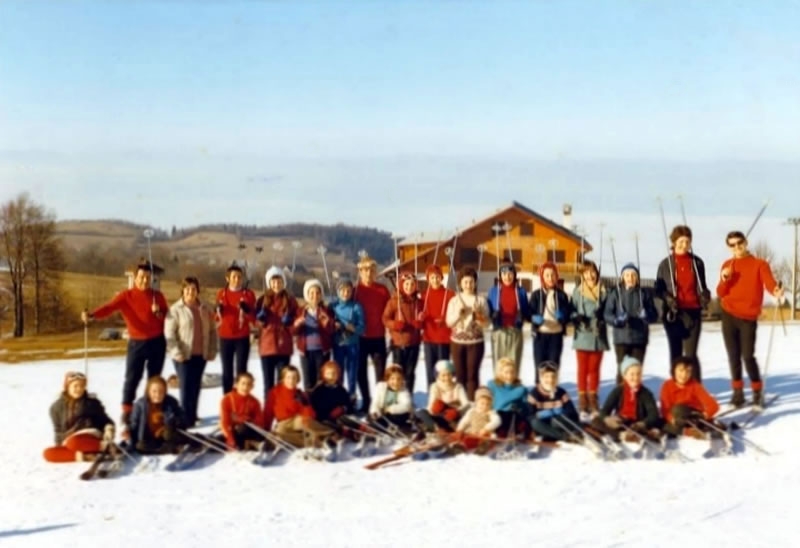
(372, 297)
(435, 333)
(235, 313)
(743, 279)
(143, 309)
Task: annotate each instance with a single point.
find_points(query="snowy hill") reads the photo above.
(567, 499)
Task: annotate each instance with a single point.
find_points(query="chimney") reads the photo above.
(566, 210)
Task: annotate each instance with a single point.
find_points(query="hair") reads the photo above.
(587, 265)
(680, 231)
(243, 375)
(468, 272)
(686, 361)
(393, 369)
(330, 364)
(234, 268)
(735, 234)
(190, 280)
(157, 379)
(289, 369)
(504, 362)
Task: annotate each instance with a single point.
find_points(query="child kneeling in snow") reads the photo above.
(447, 400)
(629, 405)
(155, 420)
(237, 408)
(82, 427)
(479, 422)
(508, 397)
(685, 401)
(289, 407)
(391, 405)
(553, 415)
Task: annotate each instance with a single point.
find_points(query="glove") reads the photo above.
(580, 319)
(642, 314)
(170, 434)
(639, 426)
(705, 298)
(613, 422)
(559, 316)
(438, 407)
(239, 428)
(218, 309)
(496, 317)
(286, 319)
(537, 319)
(262, 315)
(450, 414)
(337, 412)
(671, 303)
(621, 320)
(398, 325)
(244, 307)
(108, 434)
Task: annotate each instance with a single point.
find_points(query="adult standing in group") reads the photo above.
(435, 331)
(509, 309)
(191, 343)
(372, 296)
(743, 279)
(235, 313)
(681, 286)
(143, 308)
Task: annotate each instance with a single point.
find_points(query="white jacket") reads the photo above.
(473, 422)
(179, 331)
(455, 396)
(378, 405)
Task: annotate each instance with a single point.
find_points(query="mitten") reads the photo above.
(642, 314)
(559, 316)
(398, 325)
(450, 414)
(108, 433)
(240, 428)
(286, 319)
(621, 320)
(218, 309)
(537, 319)
(337, 412)
(438, 407)
(244, 307)
(262, 315)
(613, 422)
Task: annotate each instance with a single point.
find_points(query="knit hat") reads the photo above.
(629, 266)
(545, 266)
(433, 269)
(445, 365)
(627, 363)
(483, 392)
(391, 369)
(71, 376)
(313, 282)
(403, 277)
(275, 272)
(548, 367)
(344, 280)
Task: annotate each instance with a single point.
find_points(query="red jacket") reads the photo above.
(692, 394)
(284, 403)
(135, 306)
(237, 409)
(275, 338)
(434, 309)
(230, 327)
(403, 325)
(743, 293)
(327, 327)
(373, 299)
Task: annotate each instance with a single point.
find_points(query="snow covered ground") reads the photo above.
(567, 499)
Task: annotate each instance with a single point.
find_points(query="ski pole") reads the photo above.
(744, 440)
(322, 251)
(214, 446)
(481, 249)
(86, 347)
(507, 229)
(758, 216)
(691, 247)
(639, 268)
(669, 247)
(553, 244)
(148, 233)
(496, 228)
(271, 437)
(616, 274)
(295, 246)
(600, 262)
(650, 443)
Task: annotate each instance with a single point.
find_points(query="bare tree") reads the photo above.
(13, 222)
(46, 258)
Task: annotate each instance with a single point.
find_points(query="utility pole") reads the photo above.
(796, 222)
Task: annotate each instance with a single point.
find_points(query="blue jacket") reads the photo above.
(506, 395)
(494, 305)
(173, 418)
(348, 312)
(626, 303)
(591, 333)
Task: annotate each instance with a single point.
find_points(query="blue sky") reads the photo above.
(397, 113)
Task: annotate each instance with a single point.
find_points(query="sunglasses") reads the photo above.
(737, 243)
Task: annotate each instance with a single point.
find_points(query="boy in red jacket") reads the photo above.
(290, 407)
(143, 309)
(235, 313)
(372, 297)
(237, 408)
(684, 398)
(743, 279)
(435, 333)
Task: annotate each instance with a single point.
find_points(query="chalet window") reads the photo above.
(526, 229)
(561, 255)
(516, 255)
(469, 255)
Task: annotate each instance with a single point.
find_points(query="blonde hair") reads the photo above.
(505, 362)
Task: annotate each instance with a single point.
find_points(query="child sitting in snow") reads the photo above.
(329, 399)
(480, 421)
(684, 400)
(82, 427)
(447, 400)
(630, 404)
(156, 419)
(392, 402)
(237, 408)
(508, 396)
(289, 407)
(553, 414)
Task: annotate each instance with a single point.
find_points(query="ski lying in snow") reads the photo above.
(755, 411)
(408, 450)
(91, 472)
(187, 458)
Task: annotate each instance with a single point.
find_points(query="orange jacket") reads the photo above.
(284, 403)
(135, 306)
(743, 293)
(692, 394)
(237, 409)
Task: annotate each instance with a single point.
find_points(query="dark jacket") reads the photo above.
(537, 302)
(665, 284)
(646, 409)
(70, 415)
(325, 398)
(173, 418)
(549, 406)
(627, 303)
